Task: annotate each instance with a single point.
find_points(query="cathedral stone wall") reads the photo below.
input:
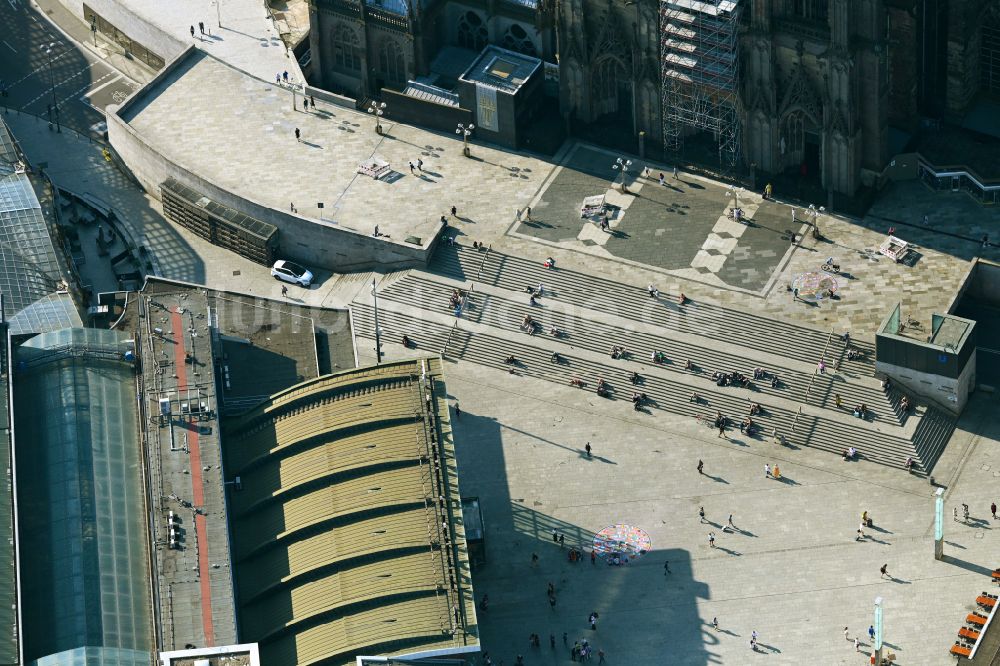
(821, 79)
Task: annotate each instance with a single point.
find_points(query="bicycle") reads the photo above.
(910, 323)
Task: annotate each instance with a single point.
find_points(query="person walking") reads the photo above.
(715, 623)
(527, 214)
(767, 471)
(420, 165)
(993, 510)
(201, 27)
(600, 657)
(562, 540)
(871, 632)
(593, 620)
(711, 539)
(593, 556)
(722, 428)
(565, 643)
(701, 513)
(666, 567)
(884, 571)
(412, 172)
(861, 535)
(192, 31)
(857, 644)
(552, 641)
(454, 211)
(701, 470)
(836, 397)
(846, 637)
(587, 449)
(298, 134)
(284, 290)
(675, 172)
(731, 521)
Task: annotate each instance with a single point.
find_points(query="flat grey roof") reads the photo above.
(499, 68)
(193, 579)
(951, 332)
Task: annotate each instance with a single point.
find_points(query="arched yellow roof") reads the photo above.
(347, 529)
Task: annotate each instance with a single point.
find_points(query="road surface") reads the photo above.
(47, 75)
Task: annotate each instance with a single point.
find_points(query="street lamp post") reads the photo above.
(814, 213)
(879, 630)
(622, 165)
(735, 192)
(377, 109)
(938, 523)
(218, 12)
(93, 28)
(465, 132)
(52, 80)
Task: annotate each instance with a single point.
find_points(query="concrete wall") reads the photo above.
(309, 241)
(405, 109)
(133, 25)
(948, 394)
(984, 283)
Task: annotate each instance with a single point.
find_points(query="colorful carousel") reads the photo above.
(619, 544)
(815, 286)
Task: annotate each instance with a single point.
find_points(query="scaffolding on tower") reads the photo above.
(699, 71)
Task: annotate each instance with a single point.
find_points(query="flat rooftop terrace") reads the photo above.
(238, 132)
(193, 577)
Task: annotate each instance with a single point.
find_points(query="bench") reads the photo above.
(970, 634)
(975, 618)
(960, 650)
(986, 601)
(996, 575)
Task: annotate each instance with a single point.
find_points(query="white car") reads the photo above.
(291, 272)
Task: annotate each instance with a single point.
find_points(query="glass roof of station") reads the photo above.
(84, 577)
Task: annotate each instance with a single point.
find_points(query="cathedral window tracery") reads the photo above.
(391, 62)
(815, 10)
(346, 48)
(472, 33)
(516, 39)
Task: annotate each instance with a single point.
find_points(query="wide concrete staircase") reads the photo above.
(594, 314)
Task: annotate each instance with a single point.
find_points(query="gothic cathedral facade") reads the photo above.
(820, 81)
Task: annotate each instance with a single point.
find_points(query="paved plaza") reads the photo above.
(792, 570)
(239, 32)
(680, 226)
(242, 138)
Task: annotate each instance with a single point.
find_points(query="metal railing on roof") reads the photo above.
(53, 354)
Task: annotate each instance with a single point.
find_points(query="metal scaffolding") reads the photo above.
(699, 72)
